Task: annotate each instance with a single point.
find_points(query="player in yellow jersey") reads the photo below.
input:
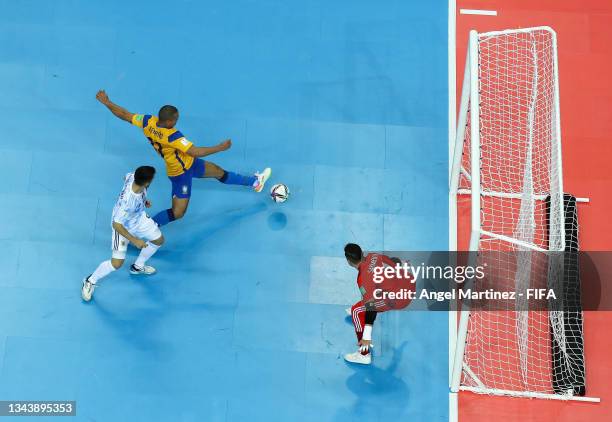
(183, 159)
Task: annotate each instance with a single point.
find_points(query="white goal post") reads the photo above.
(507, 166)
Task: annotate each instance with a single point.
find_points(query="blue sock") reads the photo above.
(231, 178)
(164, 217)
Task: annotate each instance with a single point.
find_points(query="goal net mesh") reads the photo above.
(521, 212)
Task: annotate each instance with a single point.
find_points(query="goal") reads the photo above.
(507, 166)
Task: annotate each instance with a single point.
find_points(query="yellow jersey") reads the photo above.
(169, 143)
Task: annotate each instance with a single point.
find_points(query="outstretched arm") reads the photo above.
(118, 111)
(204, 151)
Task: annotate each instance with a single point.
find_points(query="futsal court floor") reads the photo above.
(347, 101)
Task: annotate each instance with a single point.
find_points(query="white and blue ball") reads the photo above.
(279, 192)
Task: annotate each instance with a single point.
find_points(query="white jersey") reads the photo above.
(130, 206)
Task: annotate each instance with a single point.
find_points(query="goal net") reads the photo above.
(508, 160)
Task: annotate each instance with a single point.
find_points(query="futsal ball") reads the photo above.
(279, 192)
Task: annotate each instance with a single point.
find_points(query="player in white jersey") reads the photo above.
(130, 223)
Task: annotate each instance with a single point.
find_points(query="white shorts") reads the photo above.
(145, 229)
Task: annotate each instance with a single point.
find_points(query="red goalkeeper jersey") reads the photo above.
(385, 292)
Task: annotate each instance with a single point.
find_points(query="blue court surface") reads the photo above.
(347, 101)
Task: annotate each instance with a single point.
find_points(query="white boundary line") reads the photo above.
(478, 12)
(452, 108)
(453, 408)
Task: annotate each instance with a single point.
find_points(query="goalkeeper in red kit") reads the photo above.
(379, 290)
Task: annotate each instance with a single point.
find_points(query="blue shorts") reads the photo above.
(181, 184)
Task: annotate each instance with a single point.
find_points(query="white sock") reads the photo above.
(145, 254)
(104, 269)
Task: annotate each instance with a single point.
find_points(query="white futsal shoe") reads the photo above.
(348, 311)
(147, 270)
(87, 289)
(357, 357)
(262, 178)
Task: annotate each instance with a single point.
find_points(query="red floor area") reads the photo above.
(584, 30)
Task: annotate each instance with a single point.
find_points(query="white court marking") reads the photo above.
(453, 406)
(478, 12)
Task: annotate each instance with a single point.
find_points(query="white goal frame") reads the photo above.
(470, 95)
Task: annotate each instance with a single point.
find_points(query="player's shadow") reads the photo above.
(225, 219)
(182, 251)
(133, 326)
(200, 236)
(381, 393)
(139, 326)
